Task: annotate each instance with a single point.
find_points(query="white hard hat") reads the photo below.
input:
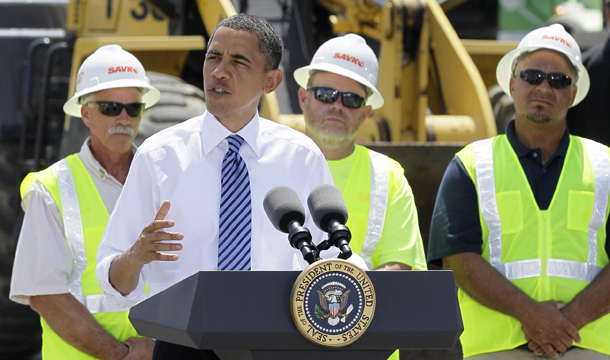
(110, 67)
(553, 38)
(348, 56)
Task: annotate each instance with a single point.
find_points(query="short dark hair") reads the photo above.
(270, 42)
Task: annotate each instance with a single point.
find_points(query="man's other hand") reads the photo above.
(548, 331)
(139, 348)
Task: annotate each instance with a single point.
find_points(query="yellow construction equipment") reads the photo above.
(431, 86)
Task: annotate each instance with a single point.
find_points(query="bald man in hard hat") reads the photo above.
(337, 94)
(522, 218)
(66, 209)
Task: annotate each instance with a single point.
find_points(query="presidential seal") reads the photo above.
(332, 302)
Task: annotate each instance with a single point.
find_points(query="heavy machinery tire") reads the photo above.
(8, 164)
(495, 92)
(72, 140)
(9, 188)
(179, 101)
(503, 107)
(9, 206)
(384, 130)
(20, 331)
(6, 255)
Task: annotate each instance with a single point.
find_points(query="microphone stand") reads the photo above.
(339, 236)
(300, 238)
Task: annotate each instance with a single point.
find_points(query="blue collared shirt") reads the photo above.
(456, 226)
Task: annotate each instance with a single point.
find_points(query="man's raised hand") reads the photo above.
(125, 269)
(152, 242)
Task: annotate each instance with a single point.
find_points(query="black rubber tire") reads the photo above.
(495, 93)
(503, 107)
(8, 164)
(20, 331)
(384, 130)
(72, 140)
(179, 101)
(7, 252)
(10, 201)
(9, 206)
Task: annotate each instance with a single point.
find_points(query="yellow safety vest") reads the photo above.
(367, 200)
(549, 254)
(84, 217)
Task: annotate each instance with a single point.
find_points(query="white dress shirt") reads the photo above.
(43, 261)
(182, 164)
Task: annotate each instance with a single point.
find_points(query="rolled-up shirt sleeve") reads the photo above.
(136, 207)
(43, 260)
(456, 225)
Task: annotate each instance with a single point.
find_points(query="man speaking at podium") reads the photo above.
(206, 179)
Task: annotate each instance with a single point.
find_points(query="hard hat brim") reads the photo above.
(150, 94)
(301, 75)
(504, 70)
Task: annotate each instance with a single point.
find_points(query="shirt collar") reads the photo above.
(87, 156)
(522, 150)
(213, 133)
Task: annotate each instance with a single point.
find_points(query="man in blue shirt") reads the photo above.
(503, 225)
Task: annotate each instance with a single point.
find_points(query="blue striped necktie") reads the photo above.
(235, 210)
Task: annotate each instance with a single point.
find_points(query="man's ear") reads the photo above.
(274, 78)
(511, 85)
(574, 91)
(84, 113)
(302, 98)
(367, 111)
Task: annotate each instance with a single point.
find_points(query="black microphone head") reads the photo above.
(282, 205)
(326, 203)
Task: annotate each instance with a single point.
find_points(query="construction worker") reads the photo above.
(522, 218)
(337, 94)
(66, 209)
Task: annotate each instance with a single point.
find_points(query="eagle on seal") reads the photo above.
(331, 304)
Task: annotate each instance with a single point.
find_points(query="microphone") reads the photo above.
(284, 209)
(327, 206)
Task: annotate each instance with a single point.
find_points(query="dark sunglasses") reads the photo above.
(111, 108)
(536, 77)
(329, 96)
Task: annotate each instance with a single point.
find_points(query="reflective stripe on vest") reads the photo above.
(73, 230)
(378, 205)
(522, 269)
